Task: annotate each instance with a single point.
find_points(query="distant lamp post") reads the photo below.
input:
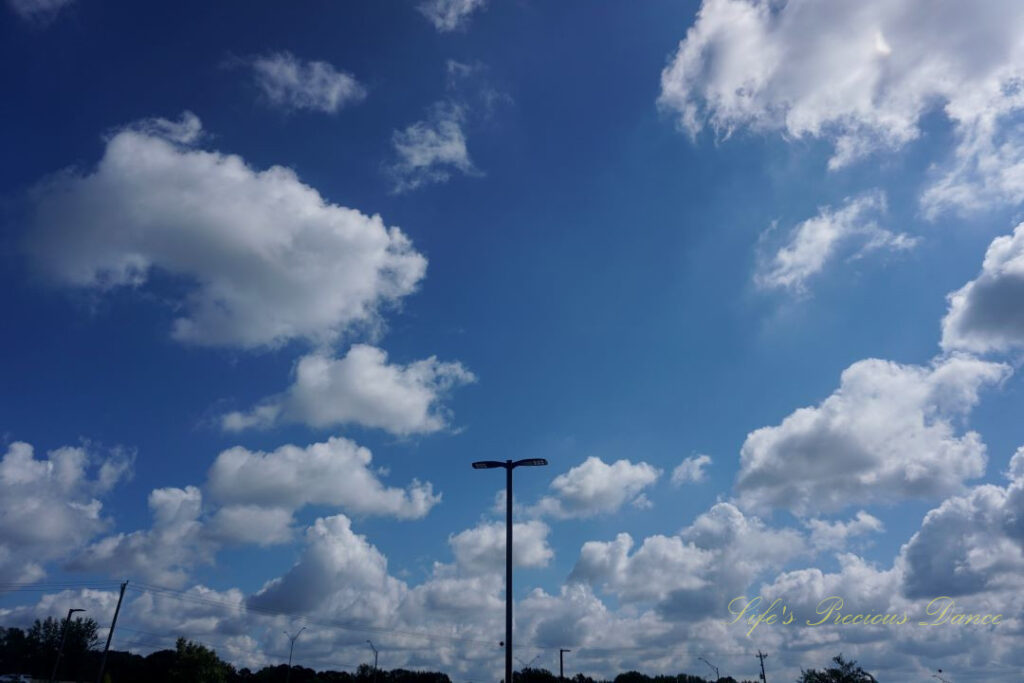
(561, 661)
(509, 465)
(712, 666)
(63, 639)
(375, 653)
(291, 648)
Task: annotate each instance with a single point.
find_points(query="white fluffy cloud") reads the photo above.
(265, 258)
(815, 241)
(481, 549)
(361, 388)
(49, 507)
(695, 573)
(166, 552)
(289, 83)
(429, 150)
(971, 543)
(887, 434)
(336, 560)
(334, 472)
(691, 470)
(251, 524)
(670, 590)
(827, 535)
(448, 15)
(987, 314)
(595, 488)
(38, 10)
(970, 548)
(863, 75)
(252, 497)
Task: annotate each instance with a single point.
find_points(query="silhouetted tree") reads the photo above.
(13, 651)
(529, 675)
(33, 652)
(195, 663)
(843, 672)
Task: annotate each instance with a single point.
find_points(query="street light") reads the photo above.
(288, 675)
(374, 659)
(509, 466)
(63, 637)
(713, 667)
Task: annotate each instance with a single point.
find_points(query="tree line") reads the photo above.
(33, 652)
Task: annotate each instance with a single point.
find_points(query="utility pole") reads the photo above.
(561, 662)
(110, 634)
(63, 637)
(761, 656)
(288, 675)
(713, 668)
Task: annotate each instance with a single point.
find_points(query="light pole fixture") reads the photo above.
(63, 638)
(509, 465)
(291, 648)
(374, 654)
(561, 661)
(712, 666)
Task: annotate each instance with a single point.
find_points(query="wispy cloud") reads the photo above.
(290, 83)
(449, 15)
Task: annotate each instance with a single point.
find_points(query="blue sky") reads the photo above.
(746, 273)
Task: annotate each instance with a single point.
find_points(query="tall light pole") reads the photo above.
(509, 466)
(713, 668)
(374, 659)
(288, 676)
(374, 654)
(561, 661)
(63, 638)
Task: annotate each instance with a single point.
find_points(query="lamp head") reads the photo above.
(530, 462)
(487, 464)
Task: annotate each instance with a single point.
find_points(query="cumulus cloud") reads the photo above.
(251, 524)
(596, 488)
(289, 83)
(429, 150)
(887, 434)
(449, 15)
(334, 472)
(166, 552)
(251, 500)
(815, 241)
(335, 560)
(670, 590)
(863, 587)
(264, 258)
(691, 470)
(49, 508)
(987, 313)
(361, 388)
(827, 535)
(862, 75)
(481, 549)
(689, 575)
(971, 543)
(38, 11)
